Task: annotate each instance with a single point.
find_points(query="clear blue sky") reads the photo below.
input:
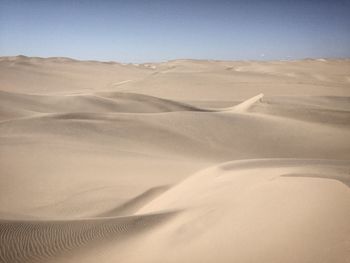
(145, 30)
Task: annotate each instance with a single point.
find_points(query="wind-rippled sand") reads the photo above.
(181, 161)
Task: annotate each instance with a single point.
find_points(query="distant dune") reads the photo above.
(179, 161)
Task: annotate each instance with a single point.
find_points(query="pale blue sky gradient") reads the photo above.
(140, 31)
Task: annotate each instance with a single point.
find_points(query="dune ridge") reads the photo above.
(233, 193)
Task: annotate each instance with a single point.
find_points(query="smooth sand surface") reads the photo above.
(180, 161)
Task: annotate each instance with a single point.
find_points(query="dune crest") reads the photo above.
(263, 203)
(246, 105)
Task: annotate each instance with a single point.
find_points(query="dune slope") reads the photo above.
(179, 161)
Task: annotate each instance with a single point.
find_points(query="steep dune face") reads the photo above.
(252, 211)
(18, 104)
(99, 161)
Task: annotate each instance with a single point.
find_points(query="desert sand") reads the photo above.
(179, 161)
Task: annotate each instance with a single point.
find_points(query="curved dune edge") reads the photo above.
(16, 105)
(22, 105)
(261, 169)
(252, 211)
(136, 203)
(245, 105)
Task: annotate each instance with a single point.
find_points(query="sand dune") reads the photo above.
(180, 161)
(28, 104)
(262, 207)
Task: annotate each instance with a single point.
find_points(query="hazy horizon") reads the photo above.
(154, 31)
(179, 59)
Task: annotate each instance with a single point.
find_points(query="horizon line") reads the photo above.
(177, 59)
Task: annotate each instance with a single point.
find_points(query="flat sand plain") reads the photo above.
(180, 161)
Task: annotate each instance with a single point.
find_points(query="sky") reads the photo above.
(159, 30)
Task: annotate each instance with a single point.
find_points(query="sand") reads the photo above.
(179, 161)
